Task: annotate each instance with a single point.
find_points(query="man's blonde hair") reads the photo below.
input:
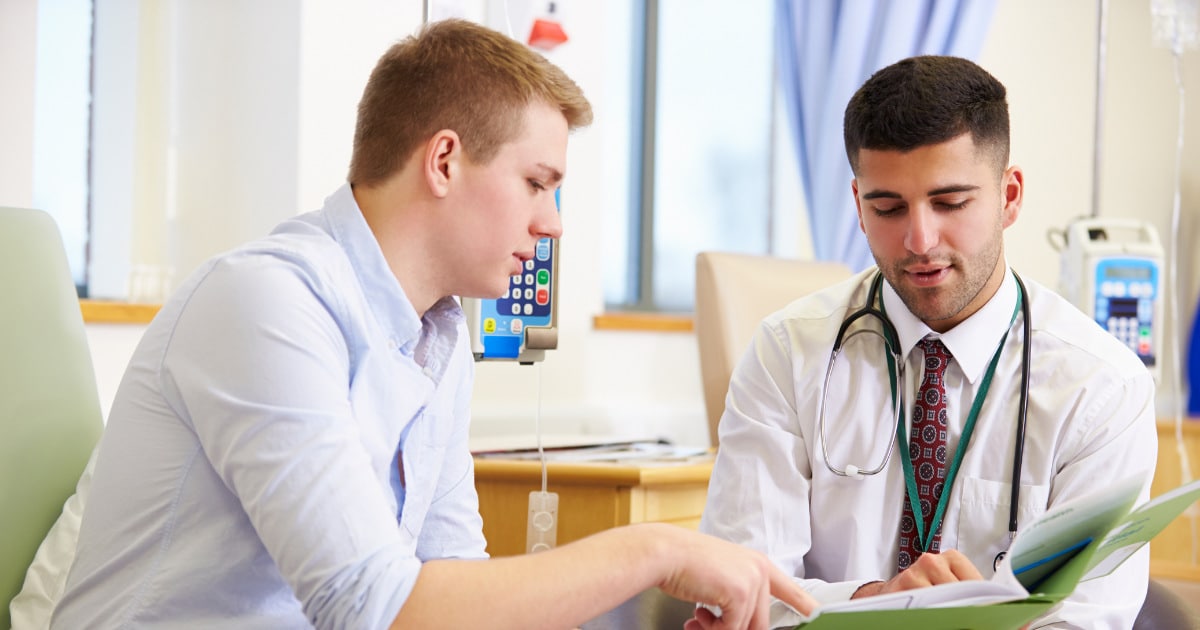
(460, 76)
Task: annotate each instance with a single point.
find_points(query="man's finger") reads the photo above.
(962, 567)
(761, 618)
(790, 593)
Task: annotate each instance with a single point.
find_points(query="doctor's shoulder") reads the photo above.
(808, 324)
(830, 303)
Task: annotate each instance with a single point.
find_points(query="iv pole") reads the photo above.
(1097, 151)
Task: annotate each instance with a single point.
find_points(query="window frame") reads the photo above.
(786, 226)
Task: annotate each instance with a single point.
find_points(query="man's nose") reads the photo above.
(922, 233)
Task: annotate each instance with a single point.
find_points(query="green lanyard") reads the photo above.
(924, 540)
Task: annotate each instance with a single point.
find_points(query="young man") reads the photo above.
(928, 142)
(288, 448)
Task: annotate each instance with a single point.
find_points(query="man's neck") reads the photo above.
(394, 213)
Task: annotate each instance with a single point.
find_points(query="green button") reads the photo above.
(543, 276)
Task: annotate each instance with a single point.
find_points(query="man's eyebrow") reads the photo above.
(956, 188)
(944, 190)
(553, 175)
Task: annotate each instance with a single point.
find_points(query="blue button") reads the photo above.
(543, 249)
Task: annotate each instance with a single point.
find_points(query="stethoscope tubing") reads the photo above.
(1022, 415)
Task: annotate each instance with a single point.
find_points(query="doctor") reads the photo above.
(928, 142)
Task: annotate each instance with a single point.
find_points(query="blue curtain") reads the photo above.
(825, 50)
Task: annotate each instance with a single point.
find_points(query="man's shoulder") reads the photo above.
(278, 269)
(828, 303)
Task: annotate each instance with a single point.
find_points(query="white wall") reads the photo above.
(648, 383)
(1045, 53)
(18, 28)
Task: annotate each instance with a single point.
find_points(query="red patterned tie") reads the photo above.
(927, 450)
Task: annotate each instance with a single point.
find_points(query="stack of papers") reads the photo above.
(620, 452)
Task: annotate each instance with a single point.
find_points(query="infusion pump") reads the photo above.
(1112, 271)
(522, 324)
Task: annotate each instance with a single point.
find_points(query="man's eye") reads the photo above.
(945, 205)
(536, 185)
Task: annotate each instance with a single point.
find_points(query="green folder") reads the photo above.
(1051, 545)
(1008, 616)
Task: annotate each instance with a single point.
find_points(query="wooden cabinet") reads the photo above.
(592, 496)
(1175, 552)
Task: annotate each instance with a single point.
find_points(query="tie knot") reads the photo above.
(937, 357)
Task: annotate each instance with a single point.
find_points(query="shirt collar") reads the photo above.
(973, 341)
(388, 303)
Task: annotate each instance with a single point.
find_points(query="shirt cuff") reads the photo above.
(829, 592)
(784, 616)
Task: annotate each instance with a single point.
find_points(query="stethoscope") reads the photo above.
(891, 341)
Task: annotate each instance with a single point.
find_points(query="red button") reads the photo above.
(543, 296)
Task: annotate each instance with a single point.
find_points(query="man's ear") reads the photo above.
(857, 204)
(1014, 194)
(441, 161)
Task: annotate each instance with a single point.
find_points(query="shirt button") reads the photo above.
(391, 344)
(429, 372)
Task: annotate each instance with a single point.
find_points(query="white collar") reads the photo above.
(973, 341)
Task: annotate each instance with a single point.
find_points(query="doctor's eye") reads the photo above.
(536, 185)
(946, 205)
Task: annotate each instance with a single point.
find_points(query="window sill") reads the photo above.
(645, 322)
(97, 312)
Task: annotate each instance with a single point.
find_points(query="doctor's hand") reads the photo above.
(929, 569)
(738, 580)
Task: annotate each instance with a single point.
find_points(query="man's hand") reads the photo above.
(929, 569)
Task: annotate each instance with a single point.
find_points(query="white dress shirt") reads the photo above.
(1090, 422)
(248, 476)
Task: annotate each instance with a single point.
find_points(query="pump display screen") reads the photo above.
(1122, 272)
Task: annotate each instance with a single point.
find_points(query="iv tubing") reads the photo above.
(537, 424)
(1185, 469)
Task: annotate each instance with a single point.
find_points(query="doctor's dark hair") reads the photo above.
(454, 75)
(927, 100)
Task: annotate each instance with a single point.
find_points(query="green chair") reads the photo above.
(50, 415)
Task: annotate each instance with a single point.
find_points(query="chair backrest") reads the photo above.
(734, 292)
(50, 415)
(1166, 610)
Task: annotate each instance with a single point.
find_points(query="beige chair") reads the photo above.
(49, 409)
(734, 292)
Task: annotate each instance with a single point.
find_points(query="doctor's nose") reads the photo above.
(922, 235)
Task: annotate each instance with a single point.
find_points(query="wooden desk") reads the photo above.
(1171, 552)
(592, 497)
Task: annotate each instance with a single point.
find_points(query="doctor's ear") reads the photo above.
(1013, 189)
(857, 204)
(441, 161)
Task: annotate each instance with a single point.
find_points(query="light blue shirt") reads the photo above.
(247, 476)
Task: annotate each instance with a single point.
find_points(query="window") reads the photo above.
(62, 106)
(703, 148)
